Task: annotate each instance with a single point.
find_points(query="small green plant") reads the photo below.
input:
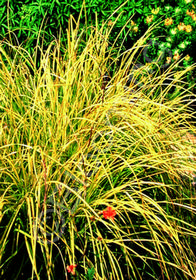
(90, 274)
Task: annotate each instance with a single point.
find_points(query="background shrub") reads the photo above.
(29, 18)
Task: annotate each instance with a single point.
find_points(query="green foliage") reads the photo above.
(28, 18)
(25, 17)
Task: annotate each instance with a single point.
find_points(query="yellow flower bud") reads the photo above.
(187, 57)
(168, 59)
(132, 23)
(181, 26)
(135, 29)
(188, 28)
(155, 11)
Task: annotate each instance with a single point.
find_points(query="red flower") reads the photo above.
(71, 268)
(109, 213)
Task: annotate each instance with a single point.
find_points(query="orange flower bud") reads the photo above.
(71, 268)
(193, 17)
(176, 56)
(110, 23)
(168, 21)
(109, 213)
(149, 19)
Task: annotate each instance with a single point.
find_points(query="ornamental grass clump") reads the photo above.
(95, 174)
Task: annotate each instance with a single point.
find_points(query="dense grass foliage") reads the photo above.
(95, 173)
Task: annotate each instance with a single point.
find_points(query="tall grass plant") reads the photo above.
(96, 175)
